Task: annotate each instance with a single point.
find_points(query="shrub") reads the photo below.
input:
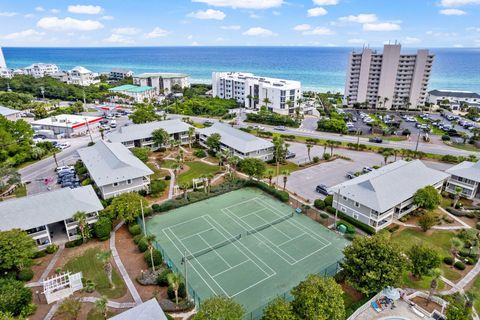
(448, 260)
(137, 238)
(162, 280)
(368, 229)
(316, 159)
(376, 167)
(449, 158)
(326, 156)
(324, 215)
(51, 248)
(459, 265)
(272, 118)
(328, 200)
(319, 204)
(445, 137)
(25, 275)
(86, 182)
(157, 186)
(470, 261)
(280, 195)
(102, 228)
(182, 293)
(135, 229)
(167, 178)
(14, 296)
(39, 254)
(470, 215)
(73, 243)
(142, 245)
(157, 257)
(394, 228)
(478, 225)
(406, 132)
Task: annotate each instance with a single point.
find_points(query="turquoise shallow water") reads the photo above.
(317, 68)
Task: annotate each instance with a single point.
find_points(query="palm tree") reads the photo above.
(191, 134)
(436, 274)
(233, 161)
(266, 101)
(458, 192)
(184, 188)
(209, 178)
(331, 144)
(309, 147)
(150, 239)
(285, 174)
(171, 142)
(101, 130)
(386, 154)
(81, 219)
(102, 307)
(104, 257)
(174, 281)
(270, 173)
(455, 245)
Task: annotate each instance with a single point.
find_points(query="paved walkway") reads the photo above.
(48, 269)
(121, 267)
(460, 285)
(434, 227)
(111, 304)
(454, 217)
(172, 182)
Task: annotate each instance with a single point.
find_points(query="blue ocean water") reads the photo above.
(317, 68)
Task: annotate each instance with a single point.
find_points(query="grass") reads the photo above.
(168, 164)
(92, 110)
(435, 130)
(289, 166)
(92, 269)
(466, 147)
(196, 170)
(94, 314)
(21, 191)
(157, 173)
(475, 292)
(422, 284)
(446, 202)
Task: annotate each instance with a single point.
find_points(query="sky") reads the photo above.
(344, 23)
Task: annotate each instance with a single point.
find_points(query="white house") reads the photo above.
(67, 125)
(120, 74)
(140, 135)
(162, 82)
(240, 143)
(82, 76)
(385, 194)
(138, 93)
(48, 217)
(455, 98)
(466, 176)
(278, 95)
(38, 70)
(114, 169)
(10, 114)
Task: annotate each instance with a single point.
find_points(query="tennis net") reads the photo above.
(214, 247)
(270, 224)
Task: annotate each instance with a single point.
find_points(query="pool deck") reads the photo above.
(402, 311)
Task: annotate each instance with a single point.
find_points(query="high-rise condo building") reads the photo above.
(278, 95)
(388, 80)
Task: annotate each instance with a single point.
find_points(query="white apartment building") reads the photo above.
(5, 72)
(82, 76)
(162, 82)
(120, 74)
(466, 176)
(388, 80)
(278, 95)
(138, 93)
(455, 98)
(38, 70)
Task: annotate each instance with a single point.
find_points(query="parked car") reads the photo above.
(208, 123)
(62, 168)
(376, 139)
(103, 121)
(367, 169)
(64, 145)
(259, 128)
(350, 175)
(290, 155)
(280, 128)
(323, 189)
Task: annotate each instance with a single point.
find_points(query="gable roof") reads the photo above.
(4, 111)
(388, 186)
(466, 169)
(112, 162)
(149, 310)
(236, 139)
(81, 69)
(453, 93)
(144, 130)
(163, 75)
(48, 207)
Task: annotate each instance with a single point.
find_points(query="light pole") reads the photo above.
(143, 219)
(185, 262)
(418, 141)
(89, 132)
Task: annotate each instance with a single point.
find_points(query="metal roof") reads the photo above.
(236, 139)
(466, 169)
(144, 130)
(4, 111)
(164, 75)
(390, 185)
(112, 162)
(48, 207)
(453, 93)
(131, 88)
(149, 310)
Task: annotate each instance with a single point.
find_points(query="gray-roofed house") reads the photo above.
(149, 310)
(48, 217)
(242, 144)
(10, 114)
(465, 175)
(385, 194)
(455, 98)
(114, 169)
(140, 135)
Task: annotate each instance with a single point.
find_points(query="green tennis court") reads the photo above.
(245, 245)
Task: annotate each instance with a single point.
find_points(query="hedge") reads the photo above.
(280, 195)
(328, 200)
(102, 228)
(157, 257)
(162, 280)
(455, 212)
(39, 254)
(448, 260)
(73, 243)
(51, 248)
(355, 222)
(142, 245)
(319, 204)
(135, 229)
(459, 265)
(137, 238)
(350, 228)
(25, 275)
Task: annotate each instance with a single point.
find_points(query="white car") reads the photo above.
(61, 168)
(64, 145)
(260, 128)
(350, 125)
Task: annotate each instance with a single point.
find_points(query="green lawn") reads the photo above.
(21, 191)
(290, 166)
(167, 164)
(196, 170)
(435, 130)
(157, 173)
(94, 314)
(423, 283)
(92, 269)
(466, 147)
(475, 291)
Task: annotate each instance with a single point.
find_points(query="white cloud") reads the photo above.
(55, 11)
(302, 27)
(126, 31)
(29, 15)
(208, 14)
(232, 27)
(40, 9)
(194, 44)
(457, 3)
(411, 40)
(452, 12)
(157, 33)
(441, 34)
(259, 31)
(253, 15)
(106, 18)
(356, 41)
(381, 26)
(276, 13)
(58, 24)
(315, 12)
(318, 31)
(118, 38)
(25, 34)
(325, 2)
(361, 18)
(244, 4)
(85, 9)
(7, 14)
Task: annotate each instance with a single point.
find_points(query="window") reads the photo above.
(115, 184)
(357, 204)
(344, 198)
(129, 181)
(355, 215)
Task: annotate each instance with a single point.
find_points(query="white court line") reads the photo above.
(180, 223)
(181, 253)
(254, 212)
(232, 267)
(239, 203)
(237, 221)
(195, 234)
(228, 264)
(291, 239)
(286, 235)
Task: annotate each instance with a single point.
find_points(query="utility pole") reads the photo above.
(55, 158)
(185, 262)
(418, 141)
(143, 219)
(336, 209)
(89, 132)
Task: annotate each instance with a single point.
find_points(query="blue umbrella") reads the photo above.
(391, 293)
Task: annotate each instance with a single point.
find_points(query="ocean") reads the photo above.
(318, 68)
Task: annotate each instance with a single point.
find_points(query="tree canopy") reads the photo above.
(14, 296)
(219, 308)
(423, 259)
(141, 153)
(279, 309)
(143, 113)
(127, 206)
(253, 167)
(373, 263)
(336, 123)
(160, 137)
(213, 142)
(16, 249)
(197, 105)
(427, 198)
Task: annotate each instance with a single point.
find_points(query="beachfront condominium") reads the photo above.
(277, 95)
(164, 83)
(38, 70)
(388, 80)
(5, 72)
